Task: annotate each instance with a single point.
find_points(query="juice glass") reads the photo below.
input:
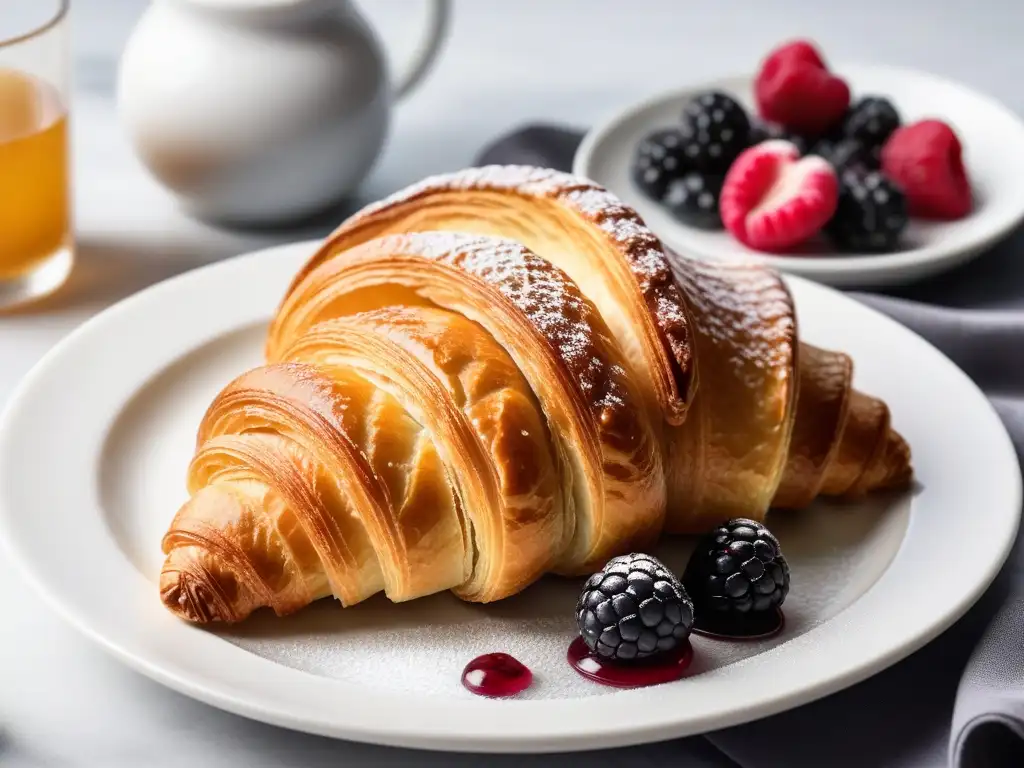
(36, 250)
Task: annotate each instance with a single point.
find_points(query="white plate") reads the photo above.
(93, 449)
(993, 140)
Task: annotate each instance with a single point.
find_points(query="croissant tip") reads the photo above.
(189, 597)
(898, 460)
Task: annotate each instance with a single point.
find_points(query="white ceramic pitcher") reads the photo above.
(261, 111)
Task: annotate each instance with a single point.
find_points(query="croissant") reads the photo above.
(497, 374)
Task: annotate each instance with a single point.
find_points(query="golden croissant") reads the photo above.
(497, 374)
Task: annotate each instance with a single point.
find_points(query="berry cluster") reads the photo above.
(635, 607)
(684, 167)
(810, 161)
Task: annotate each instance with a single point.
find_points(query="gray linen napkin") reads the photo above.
(960, 700)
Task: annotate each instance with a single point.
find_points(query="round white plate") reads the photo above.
(993, 141)
(93, 450)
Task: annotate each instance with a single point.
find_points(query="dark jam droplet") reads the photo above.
(662, 668)
(753, 626)
(496, 674)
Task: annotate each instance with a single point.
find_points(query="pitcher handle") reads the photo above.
(438, 14)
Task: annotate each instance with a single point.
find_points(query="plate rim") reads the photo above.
(434, 736)
(861, 271)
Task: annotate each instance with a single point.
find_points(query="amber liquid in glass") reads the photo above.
(34, 191)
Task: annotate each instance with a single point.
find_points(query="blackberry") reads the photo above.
(871, 214)
(633, 608)
(848, 153)
(715, 129)
(658, 159)
(762, 131)
(693, 199)
(871, 120)
(737, 571)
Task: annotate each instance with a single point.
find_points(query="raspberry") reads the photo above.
(773, 199)
(801, 51)
(925, 159)
(794, 88)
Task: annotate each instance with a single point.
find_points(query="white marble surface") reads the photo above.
(65, 703)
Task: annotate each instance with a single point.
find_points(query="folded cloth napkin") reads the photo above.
(960, 700)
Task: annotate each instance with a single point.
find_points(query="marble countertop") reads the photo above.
(63, 702)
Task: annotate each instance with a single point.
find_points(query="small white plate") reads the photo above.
(93, 450)
(993, 141)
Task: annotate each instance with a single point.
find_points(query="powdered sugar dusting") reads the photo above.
(567, 320)
(746, 310)
(640, 248)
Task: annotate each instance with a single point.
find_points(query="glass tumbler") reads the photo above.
(36, 248)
